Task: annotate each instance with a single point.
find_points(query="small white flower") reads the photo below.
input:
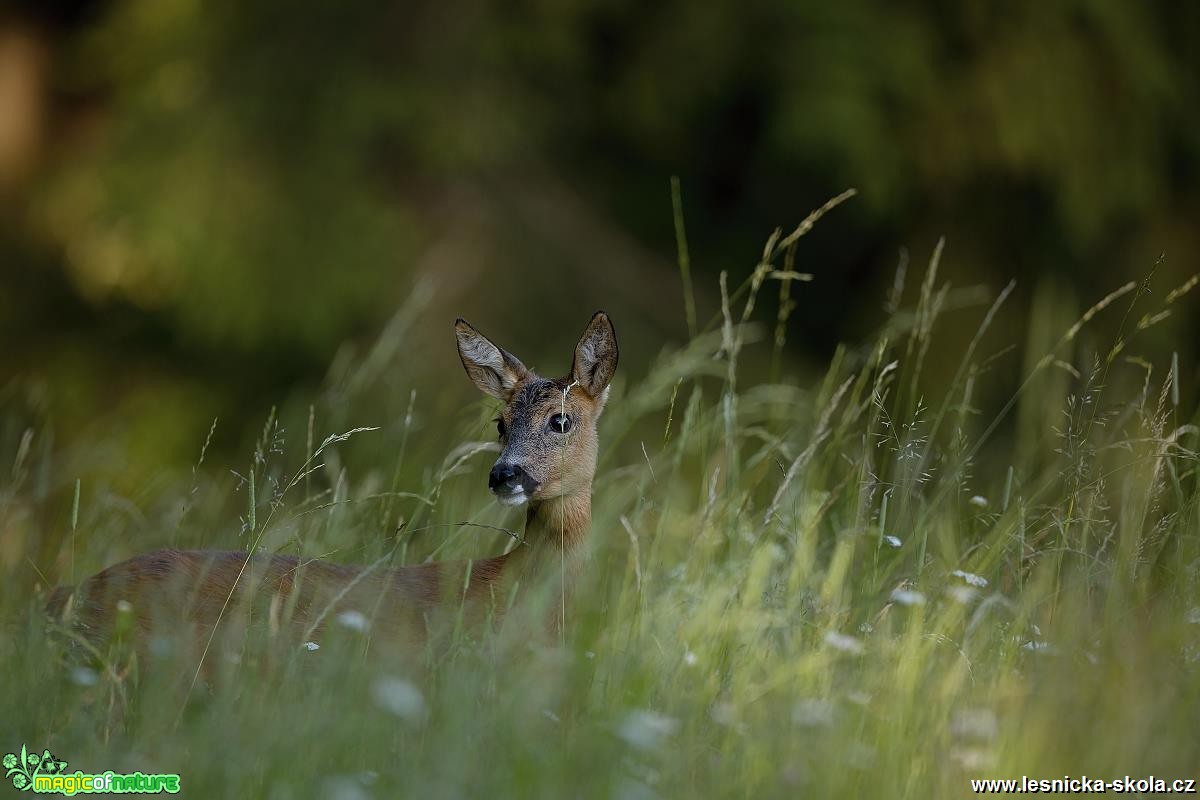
(645, 730)
(962, 594)
(311, 646)
(82, 676)
(893, 540)
(399, 697)
(979, 501)
(975, 723)
(843, 642)
(354, 620)
(344, 787)
(970, 577)
(1038, 647)
(813, 712)
(690, 659)
(908, 597)
(973, 758)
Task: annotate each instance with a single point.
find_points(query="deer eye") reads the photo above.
(560, 423)
(500, 426)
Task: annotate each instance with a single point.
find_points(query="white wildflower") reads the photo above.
(975, 723)
(893, 540)
(311, 646)
(973, 758)
(82, 676)
(962, 594)
(908, 597)
(813, 712)
(645, 730)
(979, 501)
(843, 642)
(399, 697)
(343, 787)
(970, 577)
(354, 620)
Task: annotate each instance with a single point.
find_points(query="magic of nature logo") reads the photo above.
(47, 774)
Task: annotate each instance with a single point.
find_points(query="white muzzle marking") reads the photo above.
(514, 498)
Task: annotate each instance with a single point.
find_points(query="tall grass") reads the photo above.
(862, 587)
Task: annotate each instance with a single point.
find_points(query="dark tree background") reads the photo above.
(205, 204)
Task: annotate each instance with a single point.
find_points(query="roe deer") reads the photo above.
(547, 431)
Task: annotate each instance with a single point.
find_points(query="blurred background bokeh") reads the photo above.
(209, 209)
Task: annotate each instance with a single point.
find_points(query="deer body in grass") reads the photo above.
(548, 438)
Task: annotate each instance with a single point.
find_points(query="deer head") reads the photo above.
(547, 427)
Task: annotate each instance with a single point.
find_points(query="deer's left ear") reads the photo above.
(493, 370)
(596, 356)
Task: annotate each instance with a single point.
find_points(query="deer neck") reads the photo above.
(556, 532)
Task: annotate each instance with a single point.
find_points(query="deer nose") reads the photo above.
(506, 477)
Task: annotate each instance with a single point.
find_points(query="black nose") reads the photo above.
(506, 476)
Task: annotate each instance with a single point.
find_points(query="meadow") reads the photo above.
(874, 584)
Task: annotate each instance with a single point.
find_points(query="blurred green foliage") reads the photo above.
(227, 192)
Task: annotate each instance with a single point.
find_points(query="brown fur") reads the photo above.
(199, 590)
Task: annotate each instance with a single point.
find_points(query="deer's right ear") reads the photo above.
(596, 356)
(493, 370)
